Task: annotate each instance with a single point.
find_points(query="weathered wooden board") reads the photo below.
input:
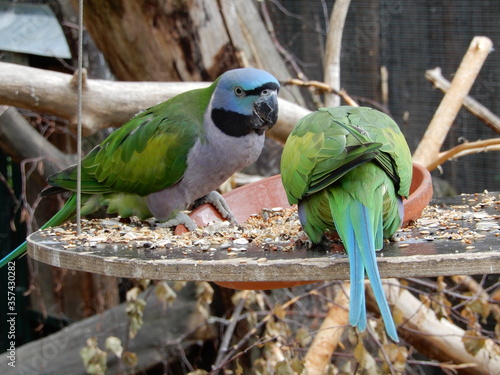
(423, 254)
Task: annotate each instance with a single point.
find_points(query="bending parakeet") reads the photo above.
(348, 168)
(174, 154)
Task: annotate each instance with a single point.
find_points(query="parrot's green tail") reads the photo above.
(65, 213)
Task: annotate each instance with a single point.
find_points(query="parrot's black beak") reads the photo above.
(265, 111)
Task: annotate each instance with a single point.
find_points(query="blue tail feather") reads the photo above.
(366, 242)
(17, 252)
(357, 276)
(357, 231)
(362, 317)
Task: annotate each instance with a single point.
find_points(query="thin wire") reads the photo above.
(79, 126)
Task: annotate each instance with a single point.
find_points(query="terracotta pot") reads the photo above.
(268, 192)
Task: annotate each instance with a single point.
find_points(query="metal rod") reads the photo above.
(79, 125)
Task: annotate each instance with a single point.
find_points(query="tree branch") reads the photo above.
(333, 49)
(329, 334)
(467, 148)
(439, 338)
(325, 87)
(428, 148)
(105, 103)
(21, 141)
(473, 106)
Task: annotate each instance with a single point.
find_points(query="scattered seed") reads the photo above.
(275, 229)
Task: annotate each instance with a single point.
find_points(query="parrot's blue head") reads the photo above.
(245, 101)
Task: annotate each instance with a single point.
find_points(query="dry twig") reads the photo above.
(323, 87)
(467, 148)
(473, 106)
(428, 149)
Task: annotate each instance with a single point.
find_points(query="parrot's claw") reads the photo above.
(180, 218)
(394, 237)
(218, 201)
(309, 244)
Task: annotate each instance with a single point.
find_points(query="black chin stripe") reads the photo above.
(267, 86)
(232, 123)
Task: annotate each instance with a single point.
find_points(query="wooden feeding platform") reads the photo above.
(458, 235)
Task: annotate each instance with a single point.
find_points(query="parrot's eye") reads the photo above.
(265, 92)
(239, 91)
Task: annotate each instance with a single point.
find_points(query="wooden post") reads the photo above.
(440, 124)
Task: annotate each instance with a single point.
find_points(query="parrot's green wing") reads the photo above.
(394, 156)
(319, 151)
(146, 154)
(330, 142)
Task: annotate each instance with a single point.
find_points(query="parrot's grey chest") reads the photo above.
(210, 162)
(215, 159)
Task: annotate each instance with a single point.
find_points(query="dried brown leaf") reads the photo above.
(284, 368)
(279, 311)
(165, 293)
(114, 345)
(365, 360)
(135, 309)
(397, 355)
(473, 342)
(130, 359)
(481, 306)
(204, 292)
(94, 359)
(469, 315)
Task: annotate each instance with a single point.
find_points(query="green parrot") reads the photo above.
(348, 169)
(174, 154)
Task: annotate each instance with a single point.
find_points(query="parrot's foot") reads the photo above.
(324, 245)
(218, 201)
(394, 238)
(180, 218)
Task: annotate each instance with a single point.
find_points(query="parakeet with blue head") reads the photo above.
(348, 169)
(174, 154)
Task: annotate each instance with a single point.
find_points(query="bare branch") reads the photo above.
(328, 337)
(473, 106)
(428, 149)
(323, 87)
(105, 103)
(333, 49)
(464, 149)
(21, 141)
(429, 334)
